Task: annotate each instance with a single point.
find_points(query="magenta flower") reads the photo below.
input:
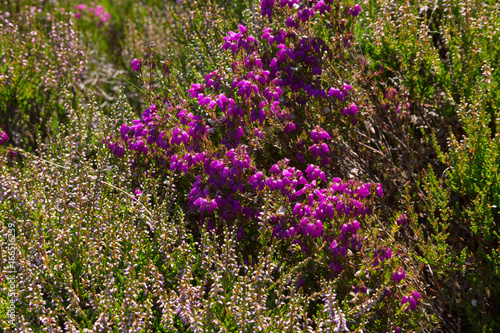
(336, 93)
(402, 220)
(137, 194)
(136, 65)
(3, 138)
(412, 300)
(81, 6)
(242, 28)
(98, 10)
(399, 275)
(105, 16)
(354, 11)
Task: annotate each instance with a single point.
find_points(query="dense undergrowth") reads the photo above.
(250, 166)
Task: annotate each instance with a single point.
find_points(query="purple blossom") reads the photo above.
(355, 10)
(3, 138)
(136, 65)
(402, 220)
(412, 300)
(399, 275)
(242, 28)
(336, 93)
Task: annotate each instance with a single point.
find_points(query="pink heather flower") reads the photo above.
(242, 28)
(3, 138)
(336, 93)
(354, 109)
(355, 226)
(98, 10)
(105, 17)
(402, 220)
(136, 65)
(354, 11)
(78, 15)
(81, 6)
(137, 194)
(345, 89)
(399, 275)
(412, 300)
(380, 190)
(266, 33)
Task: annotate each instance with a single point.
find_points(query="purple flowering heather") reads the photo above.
(399, 275)
(402, 220)
(412, 300)
(3, 138)
(355, 10)
(334, 92)
(136, 65)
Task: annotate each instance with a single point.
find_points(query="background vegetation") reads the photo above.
(361, 191)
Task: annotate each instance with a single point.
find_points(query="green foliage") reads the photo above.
(94, 254)
(41, 56)
(441, 50)
(462, 211)
(446, 56)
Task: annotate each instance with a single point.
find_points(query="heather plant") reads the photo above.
(446, 55)
(98, 12)
(75, 214)
(440, 50)
(462, 210)
(296, 166)
(178, 31)
(101, 247)
(229, 153)
(41, 56)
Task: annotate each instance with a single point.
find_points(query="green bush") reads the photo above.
(446, 56)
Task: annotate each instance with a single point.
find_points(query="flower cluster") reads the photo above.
(305, 11)
(412, 300)
(221, 145)
(231, 185)
(355, 10)
(402, 220)
(98, 11)
(380, 255)
(320, 147)
(237, 41)
(399, 275)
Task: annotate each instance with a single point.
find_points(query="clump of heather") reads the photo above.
(100, 246)
(295, 166)
(41, 56)
(254, 155)
(452, 199)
